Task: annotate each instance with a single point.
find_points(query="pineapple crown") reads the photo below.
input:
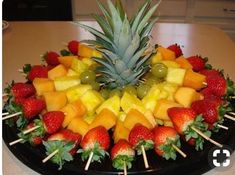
(122, 42)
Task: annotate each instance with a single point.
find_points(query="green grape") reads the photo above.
(159, 70)
(153, 80)
(87, 77)
(105, 93)
(95, 85)
(130, 89)
(115, 92)
(142, 90)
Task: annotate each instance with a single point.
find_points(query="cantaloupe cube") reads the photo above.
(88, 52)
(71, 72)
(183, 62)
(78, 125)
(78, 66)
(105, 118)
(156, 58)
(185, 96)
(57, 71)
(43, 85)
(55, 100)
(120, 132)
(167, 54)
(67, 60)
(91, 99)
(133, 117)
(65, 82)
(171, 64)
(194, 80)
(168, 123)
(175, 75)
(160, 111)
(112, 103)
(75, 93)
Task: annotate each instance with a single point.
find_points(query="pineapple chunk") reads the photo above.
(156, 58)
(133, 117)
(113, 104)
(55, 100)
(185, 96)
(78, 125)
(120, 132)
(194, 80)
(89, 117)
(160, 111)
(168, 123)
(71, 72)
(91, 99)
(76, 92)
(78, 66)
(149, 115)
(67, 60)
(57, 71)
(171, 64)
(183, 62)
(65, 82)
(43, 85)
(105, 118)
(167, 54)
(175, 75)
(88, 61)
(122, 116)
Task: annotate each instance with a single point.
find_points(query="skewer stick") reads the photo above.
(12, 115)
(50, 156)
(124, 168)
(229, 117)
(232, 113)
(16, 141)
(4, 94)
(64, 44)
(20, 70)
(222, 126)
(89, 161)
(146, 164)
(204, 83)
(206, 137)
(232, 97)
(179, 151)
(5, 113)
(31, 129)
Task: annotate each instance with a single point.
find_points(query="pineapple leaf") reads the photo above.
(136, 57)
(143, 60)
(110, 55)
(120, 9)
(147, 29)
(144, 42)
(120, 66)
(133, 76)
(104, 63)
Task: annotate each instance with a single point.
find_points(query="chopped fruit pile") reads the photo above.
(113, 88)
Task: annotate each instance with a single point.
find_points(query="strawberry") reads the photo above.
(121, 154)
(141, 136)
(73, 47)
(36, 140)
(96, 140)
(37, 71)
(176, 48)
(22, 90)
(197, 62)
(164, 138)
(184, 119)
(52, 121)
(51, 58)
(31, 107)
(210, 73)
(217, 85)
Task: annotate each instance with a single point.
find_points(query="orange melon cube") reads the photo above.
(120, 132)
(43, 85)
(167, 54)
(67, 60)
(55, 100)
(78, 125)
(194, 80)
(183, 62)
(57, 71)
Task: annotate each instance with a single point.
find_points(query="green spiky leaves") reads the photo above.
(147, 144)
(122, 42)
(119, 161)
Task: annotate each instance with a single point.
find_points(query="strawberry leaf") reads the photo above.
(27, 68)
(148, 144)
(118, 161)
(65, 52)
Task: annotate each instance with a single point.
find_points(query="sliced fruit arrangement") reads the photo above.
(118, 86)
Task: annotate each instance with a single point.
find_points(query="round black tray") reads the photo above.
(195, 163)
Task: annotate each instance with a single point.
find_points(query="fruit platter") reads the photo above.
(119, 105)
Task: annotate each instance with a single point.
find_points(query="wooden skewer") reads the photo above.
(4, 94)
(50, 156)
(20, 70)
(232, 113)
(146, 164)
(89, 161)
(232, 97)
(229, 117)
(222, 126)
(179, 151)
(124, 168)
(10, 116)
(31, 129)
(206, 137)
(16, 141)
(204, 83)
(5, 113)
(64, 43)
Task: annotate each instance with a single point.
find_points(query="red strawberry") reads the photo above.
(176, 48)
(52, 58)
(197, 62)
(210, 73)
(37, 140)
(141, 136)
(52, 121)
(73, 47)
(22, 90)
(164, 138)
(37, 71)
(122, 153)
(31, 107)
(217, 85)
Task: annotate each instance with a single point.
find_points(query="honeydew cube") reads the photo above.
(175, 75)
(156, 58)
(120, 132)
(67, 60)
(57, 71)
(71, 72)
(55, 100)
(185, 96)
(78, 66)
(65, 82)
(78, 125)
(113, 104)
(75, 93)
(43, 85)
(167, 54)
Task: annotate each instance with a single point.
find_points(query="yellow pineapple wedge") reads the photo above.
(58, 71)
(75, 93)
(55, 100)
(112, 103)
(78, 66)
(71, 72)
(43, 85)
(65, 82)
(120, 132)
(105, 118)
(175, 75)
(156, 58)
(78, 125)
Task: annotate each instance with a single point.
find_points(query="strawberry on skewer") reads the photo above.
(167, 142)
(61, 147)
(122, 155)
(51, 58)
(94, 145)
(197, 62)
(176, 48)
(141, 139)
(73, 47)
